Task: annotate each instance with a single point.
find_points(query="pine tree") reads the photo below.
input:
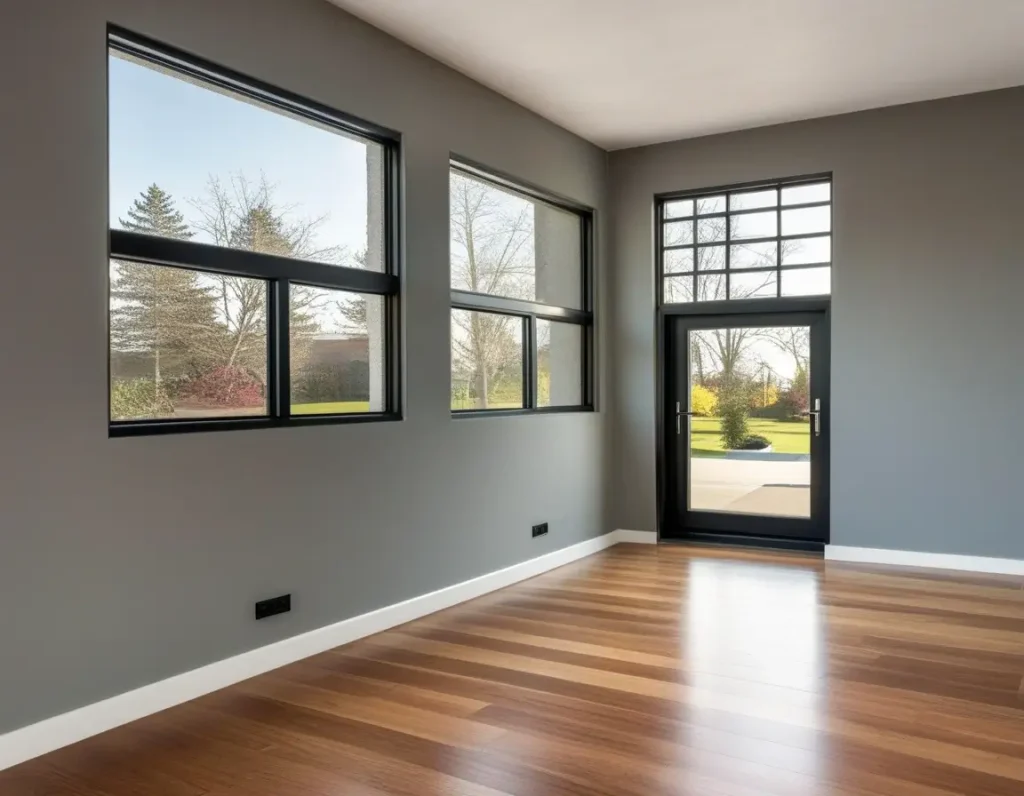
(160, 310)
(154, 214)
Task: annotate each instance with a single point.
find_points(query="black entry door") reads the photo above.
(746, 423)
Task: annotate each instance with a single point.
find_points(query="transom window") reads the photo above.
(770, 240)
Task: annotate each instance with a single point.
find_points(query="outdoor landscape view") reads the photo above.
(194, 162)
(505, 244)
(750, 439)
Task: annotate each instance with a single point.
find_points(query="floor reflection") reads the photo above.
(753, 642)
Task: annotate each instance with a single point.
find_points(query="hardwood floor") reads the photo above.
(642, 670)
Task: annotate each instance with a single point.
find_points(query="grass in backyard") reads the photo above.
(336, 408)
(463, 406)
(786, 437)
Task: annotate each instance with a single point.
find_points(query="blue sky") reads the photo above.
(178, 134)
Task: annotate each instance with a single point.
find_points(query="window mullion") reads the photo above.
(279, 370)
(530, 376)
(778, 242)
(728, 247)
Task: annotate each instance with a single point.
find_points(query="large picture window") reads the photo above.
(522, 322)
(770, 240)
(253, 274)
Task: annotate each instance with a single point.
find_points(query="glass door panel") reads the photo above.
(749, 429)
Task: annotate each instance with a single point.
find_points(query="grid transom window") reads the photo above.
(253, 279)
(767, 241)
(521, 321)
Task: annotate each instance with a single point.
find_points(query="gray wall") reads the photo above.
(125, 561)
(927, 347)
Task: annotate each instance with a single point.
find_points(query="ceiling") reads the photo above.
(624, 73)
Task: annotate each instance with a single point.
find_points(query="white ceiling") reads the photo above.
(629, 72)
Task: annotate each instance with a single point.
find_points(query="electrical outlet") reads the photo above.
(274, 606)
(540, 530)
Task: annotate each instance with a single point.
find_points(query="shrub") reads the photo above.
(703, 402)
(329, 383)
(800, 391)
(135, 398)
(763, 397)
(225, 386)
(733, 406)
(505, 390)
(754, 442)
(790, 406)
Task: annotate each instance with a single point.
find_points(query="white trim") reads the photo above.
(53, 733)
(636, 537)
(909, 558)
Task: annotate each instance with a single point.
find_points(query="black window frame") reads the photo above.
(279, 272)
(529, 312)
(728, 191)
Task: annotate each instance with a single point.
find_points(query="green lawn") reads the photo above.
(466, 406)
(786, 437)
(340, 407)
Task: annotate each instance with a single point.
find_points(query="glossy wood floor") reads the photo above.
(643, 670)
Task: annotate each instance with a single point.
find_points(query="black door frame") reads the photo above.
(732, 528)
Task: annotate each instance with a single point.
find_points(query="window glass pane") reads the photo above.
(710, 204)
(507, 244)
(679, 289)
(807, 250)
(337, 351)
(807, 282)
(487, 360)
(678, 260)
(559, 364)
(679, 209)
(711, 287)
(754, 225)
(186, 345)
(710, 230)
(711, 258)
(807, 220)
(748, 201)
(195, 162)
(753, 255)
(805, 194)
(756, 284)
(678, 233)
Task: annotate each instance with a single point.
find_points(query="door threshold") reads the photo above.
(747, 541)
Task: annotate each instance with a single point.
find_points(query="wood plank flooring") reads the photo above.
(642, 670)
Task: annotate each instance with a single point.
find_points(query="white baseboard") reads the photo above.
(636, 537)
(68, 728)
(908, 558)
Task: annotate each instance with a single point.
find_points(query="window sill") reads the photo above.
(544, 410)
(160, 427)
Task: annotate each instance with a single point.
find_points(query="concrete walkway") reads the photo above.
(764, 486)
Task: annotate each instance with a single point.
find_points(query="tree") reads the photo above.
(721, 350)
(161, 311)
(491, 252)
(245, 215)
(351, 309)
(154, 213)
(795, 341)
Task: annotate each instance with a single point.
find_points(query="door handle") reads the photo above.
(680, 414)
(816, 414)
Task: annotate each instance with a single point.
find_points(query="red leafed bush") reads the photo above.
(226, 386)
